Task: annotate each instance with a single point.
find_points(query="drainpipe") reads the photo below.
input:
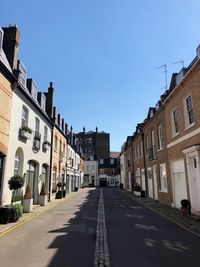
(144, 164)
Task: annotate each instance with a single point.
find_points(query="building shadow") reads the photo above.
(75, 240)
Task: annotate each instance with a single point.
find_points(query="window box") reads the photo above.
(25, 132)
(46, 145)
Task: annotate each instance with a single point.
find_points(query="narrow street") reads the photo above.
(99, 227)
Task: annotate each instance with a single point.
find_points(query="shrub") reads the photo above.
(16, 182)
(19, 209)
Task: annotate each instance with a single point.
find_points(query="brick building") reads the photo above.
(95, 144)
(166, 146)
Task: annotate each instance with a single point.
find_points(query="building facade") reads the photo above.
(7, 82)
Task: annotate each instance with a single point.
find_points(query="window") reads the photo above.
(1, 39)
(16, 165)
(160, 136)
(147, 145)
(43, 102)
(63, 150)
(189, 114)
(37, 125)
(112, 161)
(174, 122)
(34, 90)
(24, 116)
(56, 144)
(163, 178)
(89, 140)
(22, 74)
(45, 133)
(101, 171)
(153, 143)
(101, 161)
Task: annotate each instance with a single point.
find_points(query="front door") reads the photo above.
(31, 180)
(194, 181)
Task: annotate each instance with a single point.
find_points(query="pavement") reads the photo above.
(189, 222)
(37, 211)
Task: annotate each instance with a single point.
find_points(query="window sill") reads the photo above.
(176, 134)
(163, 191)
(189, 126)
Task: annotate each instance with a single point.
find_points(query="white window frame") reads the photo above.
(24, 116)
(22, 73)
(163, 178)
(160, 136)
(153, 143)
(37, 125)
(189, 111)
(45, 133)
(174, 122)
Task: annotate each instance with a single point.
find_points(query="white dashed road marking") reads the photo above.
(101, 256)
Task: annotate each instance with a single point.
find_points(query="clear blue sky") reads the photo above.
(102, 55)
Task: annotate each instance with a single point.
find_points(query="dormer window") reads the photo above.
(198, 51)
(43, 102)
(179, 77)
(1, 39)
(151, 113)
(34, 90)
(22, 73)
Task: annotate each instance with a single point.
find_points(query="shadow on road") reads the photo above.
(75, 242)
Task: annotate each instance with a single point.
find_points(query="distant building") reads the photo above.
(95, 144)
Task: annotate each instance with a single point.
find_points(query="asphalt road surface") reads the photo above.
(99, 227)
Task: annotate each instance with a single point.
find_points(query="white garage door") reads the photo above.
(179, 182)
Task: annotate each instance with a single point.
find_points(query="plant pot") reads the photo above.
(185, 211)
(64, 193)
(43, 200)
(14, 216)
(5, 215)
(59, 195)
(28, 205)
(137, 193)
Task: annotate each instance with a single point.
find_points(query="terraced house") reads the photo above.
(7, 83)
(166, 146)
(30, 132)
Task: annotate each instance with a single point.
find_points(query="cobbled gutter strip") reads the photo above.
(101, 258)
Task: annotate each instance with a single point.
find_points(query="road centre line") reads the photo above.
(101, 256)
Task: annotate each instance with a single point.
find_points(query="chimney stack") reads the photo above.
(50, 100)
(11, 44)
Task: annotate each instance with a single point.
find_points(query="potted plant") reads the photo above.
(28, 200)
(137, 189)
(59, 194)
(25, 132)
(16, 182)
(5, 213)
(43, 196)
(185, 207)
